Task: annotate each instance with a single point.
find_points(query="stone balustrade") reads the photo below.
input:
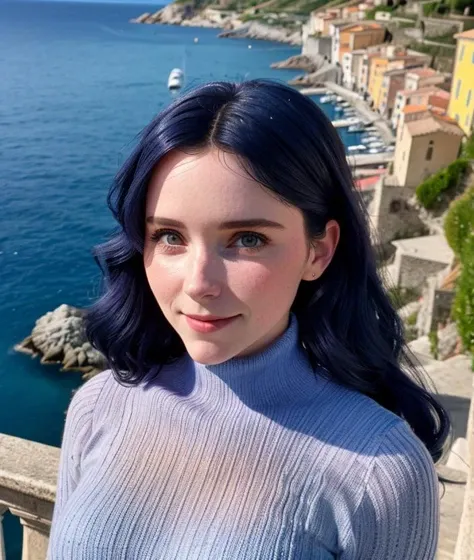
(465, 541)
(28, 474)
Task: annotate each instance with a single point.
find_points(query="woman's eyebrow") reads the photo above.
(233, 224)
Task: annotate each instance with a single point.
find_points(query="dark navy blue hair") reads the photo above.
(287, 144)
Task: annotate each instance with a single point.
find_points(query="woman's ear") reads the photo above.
(322, 251)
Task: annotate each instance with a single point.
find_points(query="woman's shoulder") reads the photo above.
(355, 408)
(370, 427)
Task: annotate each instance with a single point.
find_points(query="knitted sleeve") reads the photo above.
(77, 430)
(398, 518)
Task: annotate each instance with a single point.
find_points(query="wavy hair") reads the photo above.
(346, 320)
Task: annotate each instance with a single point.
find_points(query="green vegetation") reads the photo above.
(432, 9)
(447, 38)
(459, 230)
(459, 222)
(433, 338)
(433, 50)
(370, 14)
(401, 296)
(443, 186)
(468, 148)
(463, 308)
(411, 319)
(428, 9)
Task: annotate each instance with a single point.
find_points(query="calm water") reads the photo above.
(78, 83)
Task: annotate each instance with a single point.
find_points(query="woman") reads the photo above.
(255, 406)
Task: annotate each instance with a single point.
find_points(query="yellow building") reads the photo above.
(378, 88)
(461, 104)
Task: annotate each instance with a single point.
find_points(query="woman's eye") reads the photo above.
(168, 237)
(250, 240)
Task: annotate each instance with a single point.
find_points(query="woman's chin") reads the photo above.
(208, 353)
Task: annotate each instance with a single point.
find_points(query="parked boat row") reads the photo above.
(370, 141)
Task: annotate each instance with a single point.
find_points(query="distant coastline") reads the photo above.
(232, 23)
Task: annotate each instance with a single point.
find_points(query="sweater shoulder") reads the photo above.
(85, 399)
(354, 413)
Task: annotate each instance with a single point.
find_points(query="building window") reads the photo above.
(456, 116)
(458, 87)
(403, 156)
(461, 53)
(429, 151)
(466, 122)
(468, 100)
(472, 58)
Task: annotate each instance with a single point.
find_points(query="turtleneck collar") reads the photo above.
(280, 372)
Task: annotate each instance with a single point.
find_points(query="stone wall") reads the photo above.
(435, 308)
(316, 47)
(391, 214)
(412, 272)
(438, 26)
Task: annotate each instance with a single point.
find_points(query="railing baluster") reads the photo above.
(28, 472)
(3, 555)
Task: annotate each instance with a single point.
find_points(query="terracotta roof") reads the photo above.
(396, 72)
(426, 89)
(434, 90)
(408, 109)
(424, 72)
(361, 27)
(465, 35)
(411, 109)
(367, 182)
(434, 123)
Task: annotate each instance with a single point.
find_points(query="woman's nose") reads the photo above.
(202, 276)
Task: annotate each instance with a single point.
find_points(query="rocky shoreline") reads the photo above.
(59, 338)
(230, 22)
(264, 32)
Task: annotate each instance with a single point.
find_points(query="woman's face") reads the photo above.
(217, 244)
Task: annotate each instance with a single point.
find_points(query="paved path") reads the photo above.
(453, 381)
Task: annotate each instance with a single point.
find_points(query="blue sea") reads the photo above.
(78, 82)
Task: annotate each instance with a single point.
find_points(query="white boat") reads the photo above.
(339, 99)
(176, 79)
(327, 98)
(353, 120)
(345, 104)
(356, 128)
(376, 145)
(369, 139)
(374, 151)
(357, 148)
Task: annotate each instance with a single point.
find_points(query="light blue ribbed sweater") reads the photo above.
(254, 458)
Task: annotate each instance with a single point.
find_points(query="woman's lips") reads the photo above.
(208, 326)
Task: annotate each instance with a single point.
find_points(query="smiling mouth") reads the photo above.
(206, 326)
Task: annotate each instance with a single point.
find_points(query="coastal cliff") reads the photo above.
(232, 23)
(256, 30)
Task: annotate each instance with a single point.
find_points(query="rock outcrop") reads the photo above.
(256, 30)
(297, 62)
(59, 337)
(230, 22)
